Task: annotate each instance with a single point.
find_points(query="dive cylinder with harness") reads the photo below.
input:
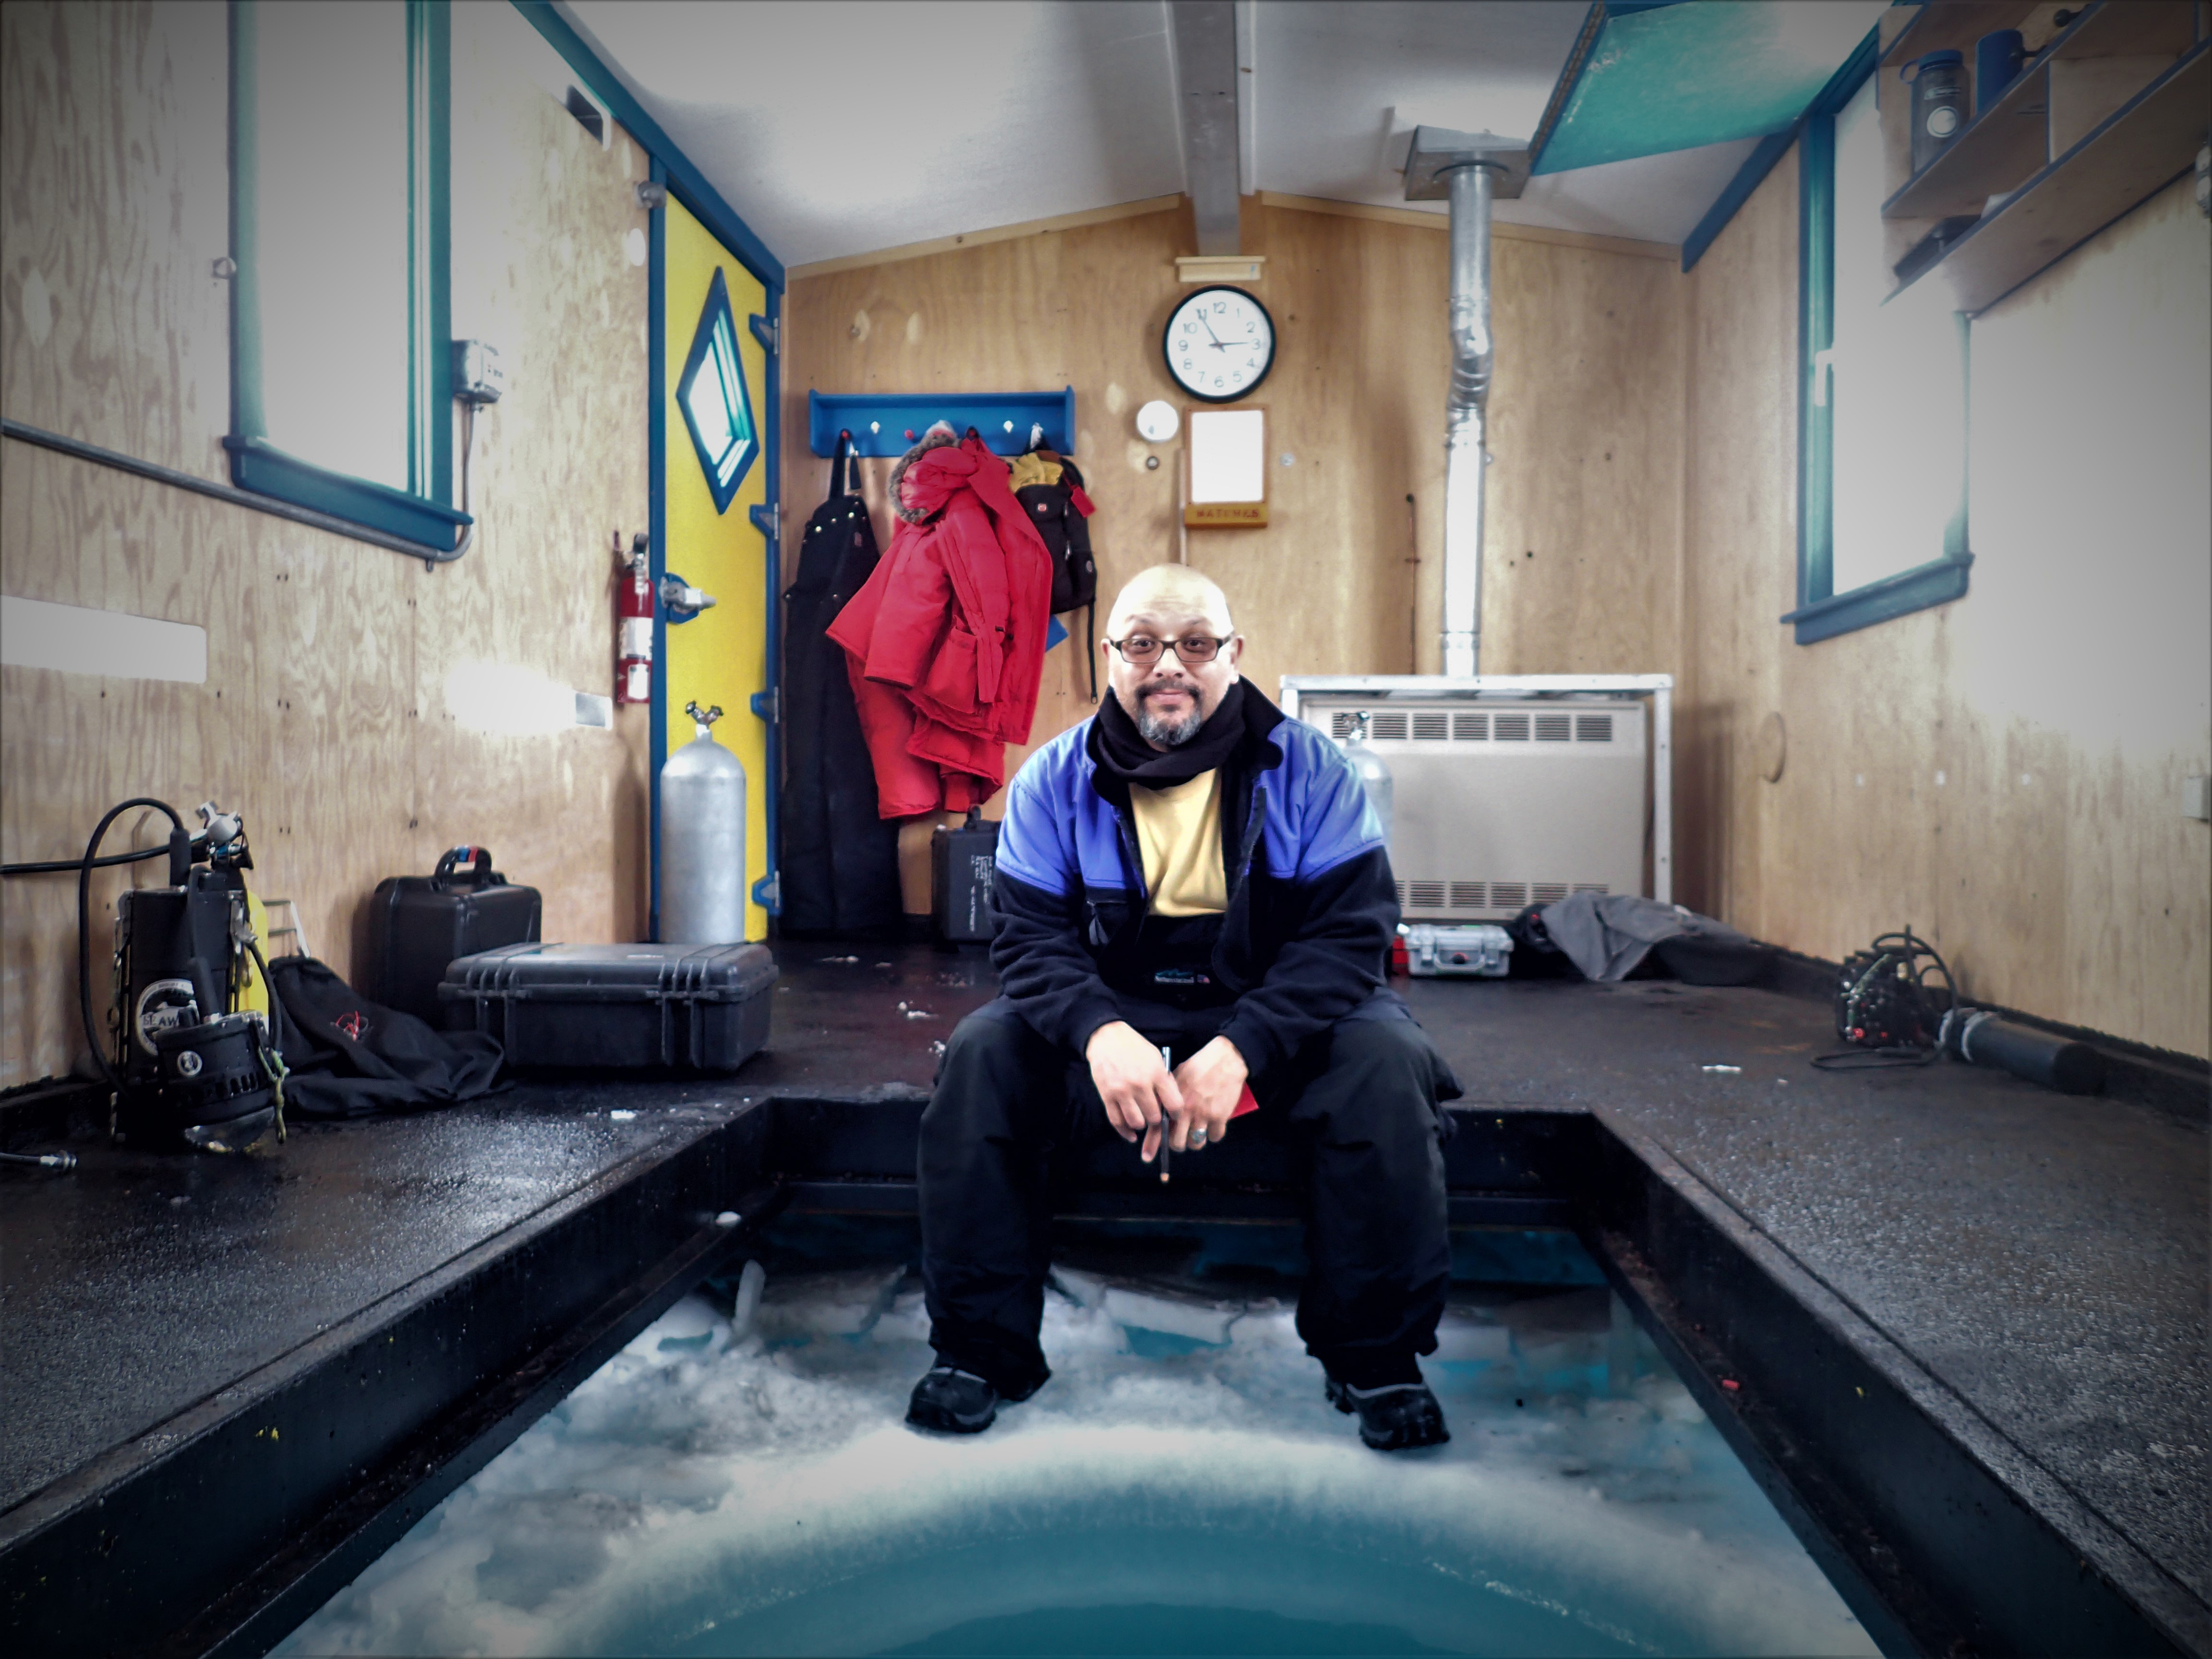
(187, 1054)
(197, 1064)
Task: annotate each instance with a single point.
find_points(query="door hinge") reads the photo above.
(764, 330)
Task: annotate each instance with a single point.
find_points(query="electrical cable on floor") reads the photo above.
(43, 1160)
(1876, 1060)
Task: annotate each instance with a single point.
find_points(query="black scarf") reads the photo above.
(1123, 753)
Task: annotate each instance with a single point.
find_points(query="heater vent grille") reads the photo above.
(1550, 789)
(1438, 726)
(1460, 896)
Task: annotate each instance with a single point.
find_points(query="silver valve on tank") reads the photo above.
(704, 718)
(224, 836)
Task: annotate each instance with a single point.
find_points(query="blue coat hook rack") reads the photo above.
(888, 424)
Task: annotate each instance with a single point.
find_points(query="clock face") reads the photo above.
(1220, 344)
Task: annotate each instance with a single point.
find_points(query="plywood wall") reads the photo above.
(2005, 772)
(1347, 577)
(325, 718)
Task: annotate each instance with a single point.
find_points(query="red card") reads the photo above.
(1245, 1103)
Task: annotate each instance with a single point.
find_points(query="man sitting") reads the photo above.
(1189, 870)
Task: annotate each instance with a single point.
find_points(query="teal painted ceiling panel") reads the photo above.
(1652, 79)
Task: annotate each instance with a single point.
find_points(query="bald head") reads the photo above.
(1170, 593)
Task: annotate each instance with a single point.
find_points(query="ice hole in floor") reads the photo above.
(738, 1481)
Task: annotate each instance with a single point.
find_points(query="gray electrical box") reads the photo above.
(1506, 796)
(478, 377)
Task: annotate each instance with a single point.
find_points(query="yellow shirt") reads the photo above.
(1179, 835)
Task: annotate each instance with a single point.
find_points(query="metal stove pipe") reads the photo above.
(1466, 414)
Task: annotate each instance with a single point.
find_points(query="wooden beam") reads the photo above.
(885, 256)
(1499, 227)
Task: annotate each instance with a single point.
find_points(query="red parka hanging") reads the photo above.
(945, 641)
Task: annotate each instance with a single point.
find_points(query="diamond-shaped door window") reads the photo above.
(716, 405)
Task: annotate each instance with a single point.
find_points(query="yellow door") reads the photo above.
(722, 655)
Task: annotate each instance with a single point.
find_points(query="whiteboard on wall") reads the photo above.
(1228, 451)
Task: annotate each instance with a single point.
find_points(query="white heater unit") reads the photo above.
(1511, 790)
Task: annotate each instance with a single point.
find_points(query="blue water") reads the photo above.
(744, 1484)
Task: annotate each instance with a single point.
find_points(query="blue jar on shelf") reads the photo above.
(1939, 102)
(1998, 60)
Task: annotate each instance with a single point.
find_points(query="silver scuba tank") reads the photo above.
(1374, 775)
(702, 841)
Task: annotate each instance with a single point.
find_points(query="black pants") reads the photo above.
(1359, 1104)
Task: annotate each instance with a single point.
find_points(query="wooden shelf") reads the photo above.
(1998, 149)
(1953, 26)
(2128, 28)
(2095, 64)
(2132, 154)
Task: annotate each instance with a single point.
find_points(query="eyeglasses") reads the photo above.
(1142, 649)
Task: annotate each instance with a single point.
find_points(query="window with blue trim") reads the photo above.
(716, 405)
(340, 374)
(1882, 525)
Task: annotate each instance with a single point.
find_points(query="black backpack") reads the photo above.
(1057, 511)
(348, 1057)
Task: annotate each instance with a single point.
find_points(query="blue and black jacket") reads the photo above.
(1312, 906)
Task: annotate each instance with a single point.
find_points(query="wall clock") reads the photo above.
(1219, 345)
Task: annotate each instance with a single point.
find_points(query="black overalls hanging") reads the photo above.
(840, 858)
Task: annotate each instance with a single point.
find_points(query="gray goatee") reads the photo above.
(1173, 733)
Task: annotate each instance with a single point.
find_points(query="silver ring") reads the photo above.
(1198, 1137)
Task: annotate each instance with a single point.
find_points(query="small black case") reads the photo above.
(591, 1007)
(417, 924)
(963, 863)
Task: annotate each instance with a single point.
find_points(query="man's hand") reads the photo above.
(1210, 1082)
(1140, 1093)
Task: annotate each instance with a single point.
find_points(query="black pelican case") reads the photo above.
(681, 1007)
(417, 924)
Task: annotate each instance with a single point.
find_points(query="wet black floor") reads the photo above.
(2046, 1257)
(2043, 1260)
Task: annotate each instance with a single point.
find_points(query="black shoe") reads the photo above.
(952, 1401)
(1396, 1417)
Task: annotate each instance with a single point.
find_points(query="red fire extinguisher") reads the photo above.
(634, 604)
